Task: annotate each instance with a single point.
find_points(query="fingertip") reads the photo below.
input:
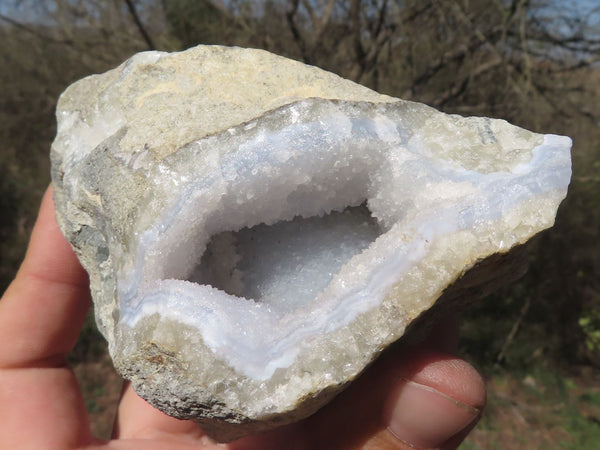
(435, 399)
(446, 373)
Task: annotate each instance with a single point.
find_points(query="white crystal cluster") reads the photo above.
(252, 256)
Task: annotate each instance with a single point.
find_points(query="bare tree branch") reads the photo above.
(366, 58)
(453, 55)
(311, 14)
(322, 24)
(290, 16)
(139, 24)
(34, 32)
(522, 11)
(513, 331)
(459, 88)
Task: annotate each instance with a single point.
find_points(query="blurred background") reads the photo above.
(535, 63)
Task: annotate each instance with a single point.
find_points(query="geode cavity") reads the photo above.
(257, 231)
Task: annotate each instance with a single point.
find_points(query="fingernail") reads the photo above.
(423, 417)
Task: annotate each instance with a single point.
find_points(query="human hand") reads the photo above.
(420, 397)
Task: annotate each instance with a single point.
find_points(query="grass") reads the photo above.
(539, 408)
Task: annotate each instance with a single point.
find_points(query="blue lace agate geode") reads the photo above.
(257, 231)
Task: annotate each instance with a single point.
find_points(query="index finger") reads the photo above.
(41, 315)
(42, 311)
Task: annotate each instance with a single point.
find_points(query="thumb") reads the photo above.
(435, 402)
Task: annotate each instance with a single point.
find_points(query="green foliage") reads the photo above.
(91, 404)
(583, 432)
(592, 398)
(91, 345)
(590, 324)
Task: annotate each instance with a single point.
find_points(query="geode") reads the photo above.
(257, 231)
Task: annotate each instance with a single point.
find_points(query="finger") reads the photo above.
(435, 399)
(42, 408)
(417, 398)
(41, 314)
(42, 311)
(136, 418)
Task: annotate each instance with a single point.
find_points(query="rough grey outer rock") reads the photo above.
(132, 144)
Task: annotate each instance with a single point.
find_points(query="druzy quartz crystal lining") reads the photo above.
(257, 231)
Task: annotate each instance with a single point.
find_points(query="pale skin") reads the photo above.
(419, 397)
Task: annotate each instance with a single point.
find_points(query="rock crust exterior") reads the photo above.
(165, 168)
